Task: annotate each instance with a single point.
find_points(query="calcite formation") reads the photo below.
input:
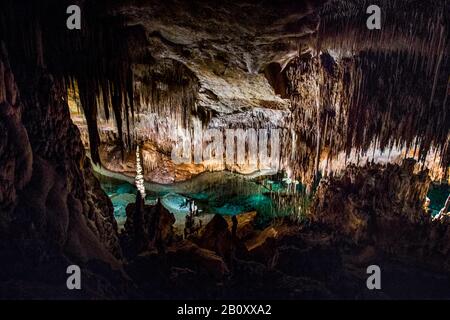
(147, 228)
(342, 104)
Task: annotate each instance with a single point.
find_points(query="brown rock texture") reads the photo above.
(215, 236)
(147, 228)
(382, 207)
(246, 223)
(50, 201)
(363, 201)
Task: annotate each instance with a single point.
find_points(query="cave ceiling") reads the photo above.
(226, 45)
(244, 56)
(229, 45)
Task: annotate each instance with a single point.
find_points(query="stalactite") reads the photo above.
(169, 89)
(349, 102)
(411, 55)
(414, 26)
(91, 57)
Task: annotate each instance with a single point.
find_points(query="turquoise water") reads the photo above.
(121, 194)
(222, 193)
(227, 193)
(438, 194)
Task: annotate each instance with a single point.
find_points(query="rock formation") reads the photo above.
(382, 207)
(51, 202)
(147, 227)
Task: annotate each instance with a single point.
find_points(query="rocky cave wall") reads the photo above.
(53, 212)
(341, 104)
(49, 191)
(381, 206)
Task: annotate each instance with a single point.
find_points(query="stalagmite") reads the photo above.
(139, 174)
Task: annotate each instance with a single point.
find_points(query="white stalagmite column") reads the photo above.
(444, 211)
(139, 174)
(446, 207)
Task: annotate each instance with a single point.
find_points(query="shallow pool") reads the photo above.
(222, 193)
(438, 194)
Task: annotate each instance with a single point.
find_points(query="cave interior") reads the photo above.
(120, 149)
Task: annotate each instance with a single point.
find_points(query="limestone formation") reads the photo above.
(147, 228)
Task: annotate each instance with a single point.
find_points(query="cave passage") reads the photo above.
(234, 150)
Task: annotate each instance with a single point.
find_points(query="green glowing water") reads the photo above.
(227, 193)
(438, 194)
(222, 193)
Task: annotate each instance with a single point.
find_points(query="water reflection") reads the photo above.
(224, 193)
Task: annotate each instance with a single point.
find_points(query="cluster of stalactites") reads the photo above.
(168, 89)
(92, 60)
(111, 100)
(419, 27)
(373, 99)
